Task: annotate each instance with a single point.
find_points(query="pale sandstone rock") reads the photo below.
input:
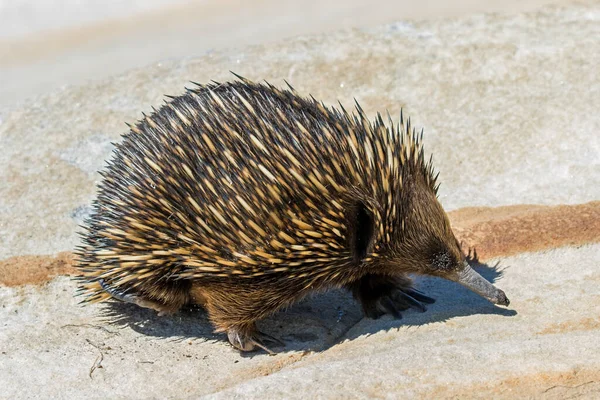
(546, 343)
(509, 105)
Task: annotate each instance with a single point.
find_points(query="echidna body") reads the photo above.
(245, 198)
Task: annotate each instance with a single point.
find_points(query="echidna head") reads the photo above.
(425, 244)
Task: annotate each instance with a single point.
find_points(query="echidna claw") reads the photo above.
(380, 295)
(418, 295)
(389, 307)
(162, 309)
(404, 297)
(397, 300)
(261, 339)
(249, 340)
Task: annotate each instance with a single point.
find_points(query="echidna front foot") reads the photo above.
(249, 339)
(381, 295)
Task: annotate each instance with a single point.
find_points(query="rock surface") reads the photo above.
(545, 344)
(510, 106)
(47, 45)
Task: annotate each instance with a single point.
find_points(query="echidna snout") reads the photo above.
(475, 282)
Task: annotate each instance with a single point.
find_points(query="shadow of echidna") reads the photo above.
(318, 322)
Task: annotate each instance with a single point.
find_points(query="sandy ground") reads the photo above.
(44, 46)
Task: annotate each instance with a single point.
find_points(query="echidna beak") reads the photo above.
(478, 284)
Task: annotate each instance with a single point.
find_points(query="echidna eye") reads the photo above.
(442, 261)
(362, 232)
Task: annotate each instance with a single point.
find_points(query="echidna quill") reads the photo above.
(244, 198)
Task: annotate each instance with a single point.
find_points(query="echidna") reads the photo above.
(244, 198)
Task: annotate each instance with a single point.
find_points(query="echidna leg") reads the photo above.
(380, 294)
(236, 313)
(162, 309)
(248, 338)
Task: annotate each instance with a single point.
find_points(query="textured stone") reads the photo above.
(509, 105)
(82, 40)
(545, 343)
